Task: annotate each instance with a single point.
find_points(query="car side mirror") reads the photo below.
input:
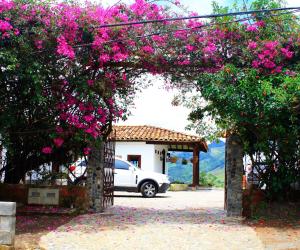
(131, 168)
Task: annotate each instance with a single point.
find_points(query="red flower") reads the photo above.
(72, 168)
(58, 142)
(47, 150)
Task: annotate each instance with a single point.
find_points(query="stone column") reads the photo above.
(234, 175)
(7, 224)
(95, 178)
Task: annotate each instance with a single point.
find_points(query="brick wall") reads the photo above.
(67, 194)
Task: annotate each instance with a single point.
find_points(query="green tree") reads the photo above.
(262, 107)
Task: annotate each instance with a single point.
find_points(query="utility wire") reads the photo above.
(195, 17)
(187, 29)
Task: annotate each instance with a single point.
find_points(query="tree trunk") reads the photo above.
(95, 178)
(13, 173)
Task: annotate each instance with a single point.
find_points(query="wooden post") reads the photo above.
(196, 165)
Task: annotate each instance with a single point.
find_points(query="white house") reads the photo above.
(147, 147)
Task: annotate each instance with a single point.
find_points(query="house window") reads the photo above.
(136, 160)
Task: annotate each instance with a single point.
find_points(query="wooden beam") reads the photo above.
(196, 151)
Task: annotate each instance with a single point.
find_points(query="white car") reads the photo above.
(132, 179)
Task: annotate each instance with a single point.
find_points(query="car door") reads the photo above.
(124, 174)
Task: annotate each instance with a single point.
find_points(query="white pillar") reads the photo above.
(7, 223)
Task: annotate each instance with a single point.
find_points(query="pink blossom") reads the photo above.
(287, 53)
(269, 64)
(255, 64)
(278, 69)
(47, 150)
(115, 48)
(190, 48)
(120, 57)
(252, 28)
(290, 73)
(59, 129)
(87, 151)
(148, 49)
(64, 48)
(6, 5)
(271, 45)
(260, 23)
(90, 82)
(252, 45)
(104, 58)
(100, 111)
(177, 2)
(5, 26)
(38, 44)
(184, 62)
(88, 118)
(159, 39)
(16, 32)
(58, 142)
(210, 49)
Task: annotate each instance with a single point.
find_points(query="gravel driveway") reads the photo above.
(175, 220)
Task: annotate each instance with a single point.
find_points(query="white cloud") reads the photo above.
(153, 107)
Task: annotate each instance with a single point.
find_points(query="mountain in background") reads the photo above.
(212, 162)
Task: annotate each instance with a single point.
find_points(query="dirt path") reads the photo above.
(176, 220)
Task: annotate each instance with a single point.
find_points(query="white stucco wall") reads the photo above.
(149, 159)
(157, 162)
(137, 148)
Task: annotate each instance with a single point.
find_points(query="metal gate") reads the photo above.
(109, 164)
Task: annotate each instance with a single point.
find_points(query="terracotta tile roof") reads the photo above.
(155, 134)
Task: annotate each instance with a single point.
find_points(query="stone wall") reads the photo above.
(7, 223)
(95, 178)
(234, 175)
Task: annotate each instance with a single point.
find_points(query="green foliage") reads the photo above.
(210, 180)
(184, 161)
(262, 108)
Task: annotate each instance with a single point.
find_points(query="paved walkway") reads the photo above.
(176, 220)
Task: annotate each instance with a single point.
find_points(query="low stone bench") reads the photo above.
(7, 224)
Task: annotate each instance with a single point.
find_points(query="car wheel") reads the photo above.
(148, 189)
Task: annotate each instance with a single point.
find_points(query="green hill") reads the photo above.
(211, 163)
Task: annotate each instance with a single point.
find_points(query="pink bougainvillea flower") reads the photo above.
(63, 48)
(5, 26)
(88, 118)
(210, 48)
(255, 64)
(190, 48)
(90, 82)
(269, 64)
(287, 53)
(118, 57)
(104, 58)
(252, 45)
(148, 49)
(6, 5)
(87, 151)
(47, 150)
(59, 129)
(58, 142)
(252, 28)
(38, 44)
(271, 45)
(260, 23)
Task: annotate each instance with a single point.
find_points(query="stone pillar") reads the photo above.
(7, 224)
(95, 178)
(234, 175)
